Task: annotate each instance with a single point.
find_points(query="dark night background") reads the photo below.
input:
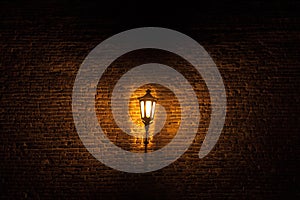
(256, 46)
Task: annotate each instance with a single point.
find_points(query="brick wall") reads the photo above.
(257, 156)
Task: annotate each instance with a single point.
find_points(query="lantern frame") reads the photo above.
(147, 107)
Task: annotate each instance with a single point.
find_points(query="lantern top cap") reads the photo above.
(148, 96)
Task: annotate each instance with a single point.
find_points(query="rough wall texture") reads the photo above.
(42, 156)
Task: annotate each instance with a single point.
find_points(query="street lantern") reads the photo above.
(147, 109)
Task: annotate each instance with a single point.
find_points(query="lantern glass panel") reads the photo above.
(148, 108)
(142, 109)
(153, 110)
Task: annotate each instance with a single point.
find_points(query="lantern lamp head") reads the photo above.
(147, 107)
